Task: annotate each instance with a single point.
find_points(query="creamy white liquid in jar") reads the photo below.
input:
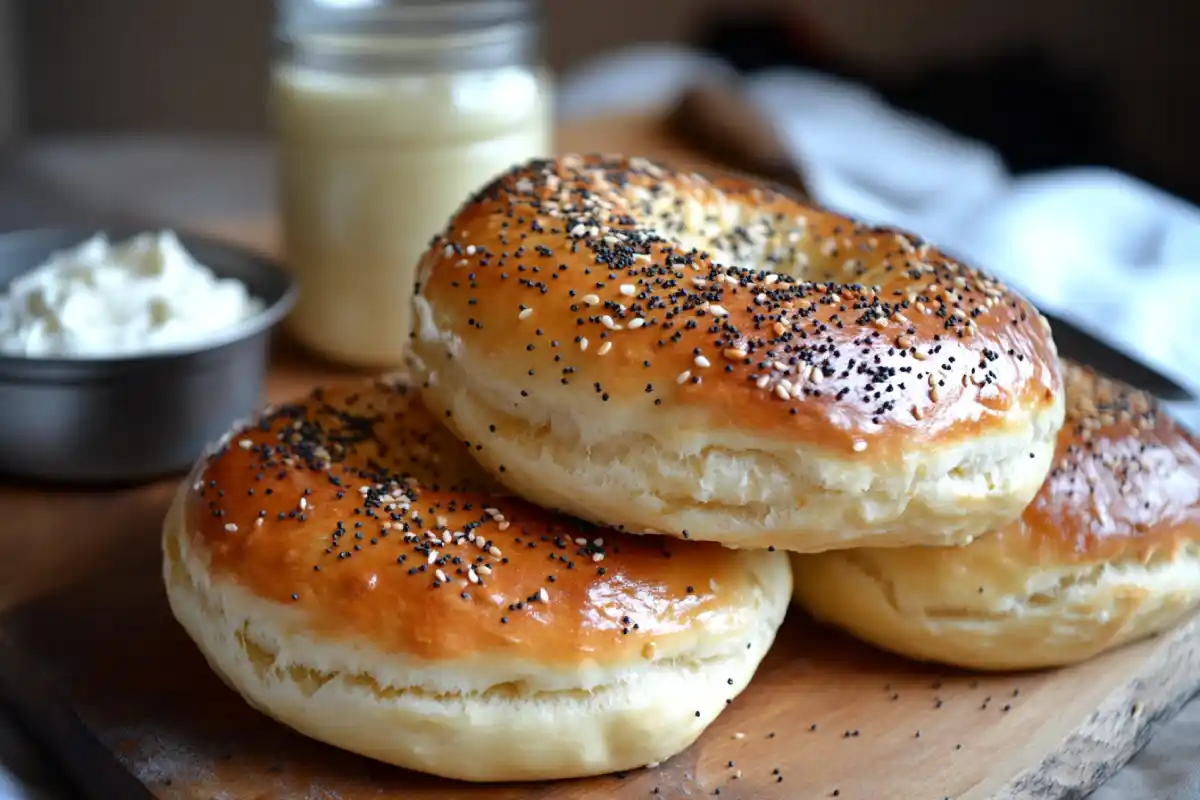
(378, 146)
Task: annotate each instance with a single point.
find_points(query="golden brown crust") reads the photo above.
(576, 279)
(356, 506)
(1125, 485)
(1104, 555)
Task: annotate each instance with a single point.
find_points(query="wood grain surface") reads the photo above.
(825, 717)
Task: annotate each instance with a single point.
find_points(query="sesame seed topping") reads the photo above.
(382, 495)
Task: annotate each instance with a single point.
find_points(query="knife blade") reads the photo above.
(1076, 344)
(85, 764)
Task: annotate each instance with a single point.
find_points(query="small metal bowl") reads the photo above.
(130, 419)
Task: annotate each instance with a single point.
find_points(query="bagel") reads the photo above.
(344, 566)
(580, 325)
(1107, 553)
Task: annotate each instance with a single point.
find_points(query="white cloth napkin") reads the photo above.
(1111, 254)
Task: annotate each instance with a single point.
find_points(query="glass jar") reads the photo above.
(388, 115)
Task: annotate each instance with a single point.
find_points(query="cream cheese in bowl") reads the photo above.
(122, 355)
(102, 299)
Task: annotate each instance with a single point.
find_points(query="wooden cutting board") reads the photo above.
(824, 717)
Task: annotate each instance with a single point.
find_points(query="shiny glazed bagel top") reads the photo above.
(1124, 485)
(606, 280)
(359, 509)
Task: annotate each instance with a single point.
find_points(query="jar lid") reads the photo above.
(389, 36)
(408, 18)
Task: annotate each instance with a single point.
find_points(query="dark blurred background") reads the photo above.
(1050, 82)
